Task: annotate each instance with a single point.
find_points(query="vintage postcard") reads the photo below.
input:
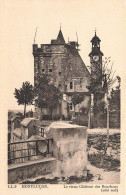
(62, 97)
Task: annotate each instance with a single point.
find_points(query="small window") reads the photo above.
(50, 69)
(70, 106)
(71, 85)
(59, 73)
(80, 83)
(43, 70)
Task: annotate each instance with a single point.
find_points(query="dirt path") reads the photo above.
(107, 177)
(94, 136)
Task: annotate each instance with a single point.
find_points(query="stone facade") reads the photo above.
(69, 146)
(65, 69)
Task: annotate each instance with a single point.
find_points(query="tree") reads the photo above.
(77, 98)
(25, 95)
(114, 104)
(40, 94)
(108, 80)
(47, 95)
(41, 101)
(96, 105)
(114, 99)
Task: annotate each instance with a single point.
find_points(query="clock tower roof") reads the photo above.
(95, 46)
(95, 38)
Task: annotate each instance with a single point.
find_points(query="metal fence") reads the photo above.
(28, 150)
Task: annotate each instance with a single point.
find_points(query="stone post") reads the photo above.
(70, 148)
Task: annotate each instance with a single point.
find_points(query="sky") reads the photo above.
(19, 20)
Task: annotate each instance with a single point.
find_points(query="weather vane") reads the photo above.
(95, 31)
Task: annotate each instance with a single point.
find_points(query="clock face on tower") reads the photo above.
(95, 58)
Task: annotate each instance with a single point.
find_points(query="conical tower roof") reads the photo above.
(60, 38)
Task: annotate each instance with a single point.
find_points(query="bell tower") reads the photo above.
(96, 61)
(96, 82)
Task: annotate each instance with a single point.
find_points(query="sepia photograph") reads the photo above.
(62, 67)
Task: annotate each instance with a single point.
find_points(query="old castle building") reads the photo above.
(67, 71)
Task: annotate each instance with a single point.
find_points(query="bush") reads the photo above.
(81, 120)
(98, 120)
(109, 163)
(56, 117)
(46, 117)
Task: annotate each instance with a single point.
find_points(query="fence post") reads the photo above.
(28, 154)
(36, 147)
(43, 132)
(48, 147)
(9, 161)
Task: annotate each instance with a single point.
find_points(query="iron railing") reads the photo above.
(27, 150)
(42, 132)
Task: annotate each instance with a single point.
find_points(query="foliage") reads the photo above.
(109, 164)
(94, 85)
(25, 95)
(47, 95)
(114, 105)
(96, 145)
(77, 98)
(100, 87)
(81, 120)
(84, 111)
(107, 78)
(114, 100)
(100, 108)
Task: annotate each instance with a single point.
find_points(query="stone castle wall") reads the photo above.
(66, 65)
(63, 65)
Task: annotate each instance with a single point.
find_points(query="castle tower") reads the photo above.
(65, 69)
(96, 61)
(96, 81)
